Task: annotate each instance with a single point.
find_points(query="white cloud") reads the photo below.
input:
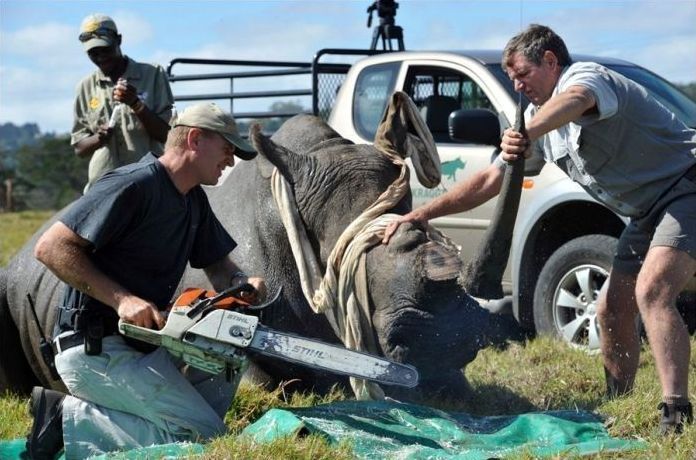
(675, 58)
(133, 27)
(294, 42)
(42, 63)
(45, 44)
(40, 67)
(657, 35)
(52, 114)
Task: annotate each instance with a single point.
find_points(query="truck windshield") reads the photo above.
(372, 90)
(676, 101)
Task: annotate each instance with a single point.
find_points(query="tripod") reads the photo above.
(386, 30)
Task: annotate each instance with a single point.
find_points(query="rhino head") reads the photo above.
(418, 311)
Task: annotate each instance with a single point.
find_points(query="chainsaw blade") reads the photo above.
(220, 338)
(332, 358)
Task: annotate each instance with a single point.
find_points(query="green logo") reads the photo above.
(450, 168)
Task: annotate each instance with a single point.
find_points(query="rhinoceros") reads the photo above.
(417, 313)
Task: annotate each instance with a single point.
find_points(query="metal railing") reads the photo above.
(281, 69)
(326, 79)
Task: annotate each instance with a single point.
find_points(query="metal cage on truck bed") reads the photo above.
(275, 81)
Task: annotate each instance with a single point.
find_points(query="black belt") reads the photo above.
(65, 342)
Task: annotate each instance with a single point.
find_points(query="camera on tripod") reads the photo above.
(386, 10)
(386, 30)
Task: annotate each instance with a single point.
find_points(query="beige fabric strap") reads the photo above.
(341, 294)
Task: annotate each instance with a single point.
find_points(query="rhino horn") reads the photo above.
(272, 155)
(484, 272)
(402, 131)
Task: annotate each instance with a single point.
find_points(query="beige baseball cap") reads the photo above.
(97, 30)
(210, 116)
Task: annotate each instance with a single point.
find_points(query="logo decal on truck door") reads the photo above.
(450, 168)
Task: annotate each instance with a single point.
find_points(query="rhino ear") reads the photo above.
(441, 263)
(403, 131)
(271, 155)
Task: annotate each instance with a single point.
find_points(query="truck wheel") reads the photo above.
(566, 293)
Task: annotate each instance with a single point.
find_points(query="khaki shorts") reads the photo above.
(671, 222)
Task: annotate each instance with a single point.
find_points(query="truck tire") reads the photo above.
(568, 287)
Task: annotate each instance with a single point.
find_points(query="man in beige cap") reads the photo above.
(122, 109)
(121, 250)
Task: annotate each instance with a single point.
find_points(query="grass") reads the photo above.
(16, 228)
(545, 374)
(14, 417)
(542, 374)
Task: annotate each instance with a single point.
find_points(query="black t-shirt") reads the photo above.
(143, 233)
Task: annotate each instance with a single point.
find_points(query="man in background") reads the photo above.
(122, 110)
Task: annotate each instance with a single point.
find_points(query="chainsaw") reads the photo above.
(208, 331)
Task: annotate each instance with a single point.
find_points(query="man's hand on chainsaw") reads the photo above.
(253, 296)
(139, 312)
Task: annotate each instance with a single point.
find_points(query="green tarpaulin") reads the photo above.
(388, 429)
(384, 429)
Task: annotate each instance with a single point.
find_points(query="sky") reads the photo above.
(41, 60)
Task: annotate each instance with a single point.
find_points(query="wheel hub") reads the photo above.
(575, 305)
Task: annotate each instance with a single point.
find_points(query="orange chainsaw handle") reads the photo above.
(190, 296)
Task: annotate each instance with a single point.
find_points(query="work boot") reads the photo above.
(46, 437)
(674, 416)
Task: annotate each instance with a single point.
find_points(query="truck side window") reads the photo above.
(372, 90)
(438, 91)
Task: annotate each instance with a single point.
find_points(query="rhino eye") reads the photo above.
(407, 237)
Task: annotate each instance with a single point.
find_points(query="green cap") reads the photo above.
(97, 30)
(210, 116)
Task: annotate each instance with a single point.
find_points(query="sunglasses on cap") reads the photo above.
(102, 32)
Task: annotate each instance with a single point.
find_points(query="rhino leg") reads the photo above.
(15, 374)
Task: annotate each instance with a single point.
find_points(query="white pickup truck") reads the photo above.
(563, 241)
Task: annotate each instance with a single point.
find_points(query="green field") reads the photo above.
(16, 228)
(539, 375)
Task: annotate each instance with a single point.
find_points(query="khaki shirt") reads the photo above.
(130, 141)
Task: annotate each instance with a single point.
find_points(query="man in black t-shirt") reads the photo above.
(122, 249)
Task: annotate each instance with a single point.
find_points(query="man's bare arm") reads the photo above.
(156, 127)
(558, 111)
(222, 275)
(66, 254)
(87, 146)
(465, 195)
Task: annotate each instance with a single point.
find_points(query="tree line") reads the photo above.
(41, 171)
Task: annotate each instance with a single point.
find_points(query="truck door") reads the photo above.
(438, 91)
